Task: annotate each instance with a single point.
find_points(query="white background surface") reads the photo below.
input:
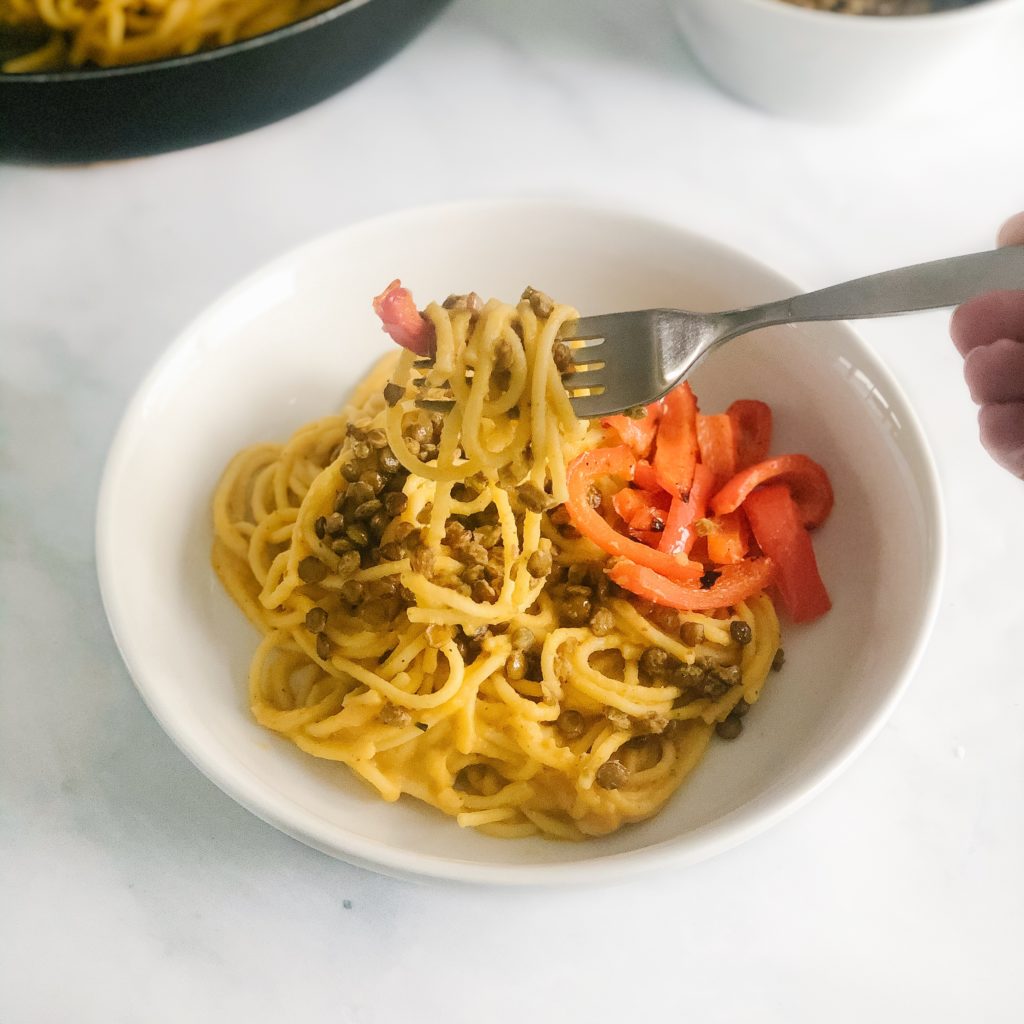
(132, 890)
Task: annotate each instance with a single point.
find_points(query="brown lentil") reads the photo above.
(612, 775)
(729, 729)
(391, 552)
(532, 497)
(341, 545)
(423, 561)
(562, 355)
(352, 591)
(320, 527)
(349, 563)
(522, 639)
(312, 570)
(334, 524)
(323, 646)
(691, 633)
(395, 503)
(515, 666)
(368, 509)
(316, 619)
(389, 714)
(376, 438)
(393, 393)
(350, 471)
(361, 450)
(576, 609)
(602, 622)
(571, 724)
(541, 303)
(358, 534)
(742, 707)
(483, 592)
(539, 564)
(654, 661)
(373, 480)
(741, 632)
(779, 660)
(359, 492)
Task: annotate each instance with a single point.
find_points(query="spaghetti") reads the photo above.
(433, 619)
(109, 33)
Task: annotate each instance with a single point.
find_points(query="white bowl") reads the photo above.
(287, 344)
(821, 65)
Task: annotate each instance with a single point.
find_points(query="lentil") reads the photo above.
(312, 570)
(539, 564)
(571, 724)
(515, 666)
(729, 729)
(323, 646)
(522, 639)
(691, 633)
(316, 619)
(389, 714)
(358, 534)
(741, 632)
(532, 497)
(612, 775)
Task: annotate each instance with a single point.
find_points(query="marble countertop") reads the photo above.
(131, 889)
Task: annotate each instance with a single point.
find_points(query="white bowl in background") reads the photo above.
(821, 65)
(285, 346)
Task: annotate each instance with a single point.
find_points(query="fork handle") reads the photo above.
(932, 285)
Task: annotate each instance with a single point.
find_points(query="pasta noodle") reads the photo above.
(419, 591)
(115, 32)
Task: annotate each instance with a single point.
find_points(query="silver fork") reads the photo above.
(624, 360)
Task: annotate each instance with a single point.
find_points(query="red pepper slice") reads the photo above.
(734, 583)
(645, 478)
(675, 453)
(679, 536)
(729, 541)
(716, 437)
(580, 475)
(403, 321)
(806, 480)
(637, 434)
(752, 423)
(640, 510)
(775, 519)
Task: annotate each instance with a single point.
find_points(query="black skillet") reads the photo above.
(105, 113)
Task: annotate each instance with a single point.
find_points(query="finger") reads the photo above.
(995, 373)
(988, 318)
(1002, 434)
(1012, 232)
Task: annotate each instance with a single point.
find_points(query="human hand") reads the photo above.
(989, 332)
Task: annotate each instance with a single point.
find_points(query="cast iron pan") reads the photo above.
(105, 113)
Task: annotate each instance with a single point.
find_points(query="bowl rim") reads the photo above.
(264, 802)
(339, 10)
(929, 21)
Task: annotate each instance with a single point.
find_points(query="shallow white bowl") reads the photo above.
(288, 343)
(821, 65)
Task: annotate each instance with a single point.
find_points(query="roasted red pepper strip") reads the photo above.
(675, 452)
(403, 321)
(640, 510)
(645, 478)
(678, 536)
(735, 583)
(752, 422)
(776, 522)
(583, 471)
(729, 539)
(806, 480)
(716, 438)
(637, 434)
